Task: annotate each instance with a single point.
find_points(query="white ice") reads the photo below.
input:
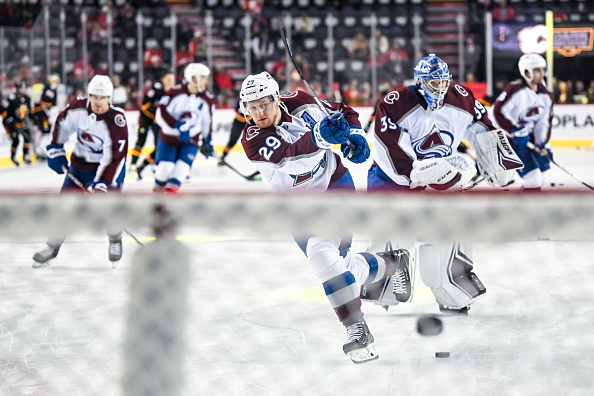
(258, 323)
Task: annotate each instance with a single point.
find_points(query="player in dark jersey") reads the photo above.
(15, 110)
(150, 102)
(40, 113)
(236, 129)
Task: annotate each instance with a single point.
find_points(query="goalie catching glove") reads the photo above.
(496, 159)
(448, 173)
(356, 149)
(330, 131)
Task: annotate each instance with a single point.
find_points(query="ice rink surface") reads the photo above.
(259, 324)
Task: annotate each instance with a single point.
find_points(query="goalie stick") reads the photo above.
(82, 187)
(250, 177)
(533, 147)
(309, 88)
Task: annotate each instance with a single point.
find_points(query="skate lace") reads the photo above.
(47, 251)
(115, 248)
(354, 332)
(399, 282)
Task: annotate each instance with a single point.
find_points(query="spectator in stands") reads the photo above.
(559, 16)
(197, 47)
(472, 55)
(184, 32)
(503, 12)
(397, 64)
(183, 57)
(262, 49)
(296, 81)
(590, 93)
(78, 71)
(153, 61)
(381, 42)
(279, 71)
(120, 95)
(223, 85)
(353, 96)
(125, 21)
(579, 94)
(359, 48)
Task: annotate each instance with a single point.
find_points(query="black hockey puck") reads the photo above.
(429, 325)
(442, 354)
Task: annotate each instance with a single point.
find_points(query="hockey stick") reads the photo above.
(309, 88)
(251, 177)
(82, 187)
(532, 147)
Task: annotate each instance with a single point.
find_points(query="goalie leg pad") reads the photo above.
(447, 270)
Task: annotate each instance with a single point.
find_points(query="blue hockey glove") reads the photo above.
(100, 186)
(521, 136)
(206, 149)
(56, 157)
(331, 130)
(545, 157)
(184, 130)
(358, 147)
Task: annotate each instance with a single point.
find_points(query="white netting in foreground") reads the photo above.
(477, 217)
(231, 307)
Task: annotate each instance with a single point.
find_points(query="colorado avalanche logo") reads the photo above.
(436, 144)
(303, 177)
(119, 120)
(91, 142)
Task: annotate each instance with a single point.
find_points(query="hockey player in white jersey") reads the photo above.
(417, 131)
(289, 140)
(525, 110)
(184, 116)
(98, 159)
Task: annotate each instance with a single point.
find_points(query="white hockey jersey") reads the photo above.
(286, 155)
(179, 104)
(518, 105)
(406, 131)
(101, 140)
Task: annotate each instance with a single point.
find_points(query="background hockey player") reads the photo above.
(146, 122)
(42, 113)
(289, 140)
(236, 129)
(417, 131)
(99, 156)
(184, 116)
(525, 110)
(15, 112)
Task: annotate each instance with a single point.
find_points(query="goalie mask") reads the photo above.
(433, 78)
(529, 62)
(256, 87)
(197, 71)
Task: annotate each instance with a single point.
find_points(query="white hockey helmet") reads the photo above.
(258, 86)
(196, 70)
(529, 62)
(101, 86)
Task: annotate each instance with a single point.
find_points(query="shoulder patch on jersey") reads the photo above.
(391, 97)
(289, 95)
(251, 132)
(50, 93)
(461, 90)
(11, 96)
(157, 85)
(119, 120)
(150, 93)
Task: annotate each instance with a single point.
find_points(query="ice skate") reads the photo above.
(14, 160)
(27, 159)
(43, 256)
(138, 169)
(359, 346)
(401, 280)
(115, 252)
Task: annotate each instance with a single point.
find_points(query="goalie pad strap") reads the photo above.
(495, 157)
(447, 270)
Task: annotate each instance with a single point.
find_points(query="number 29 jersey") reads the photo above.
(406, 130)
(286, 155)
